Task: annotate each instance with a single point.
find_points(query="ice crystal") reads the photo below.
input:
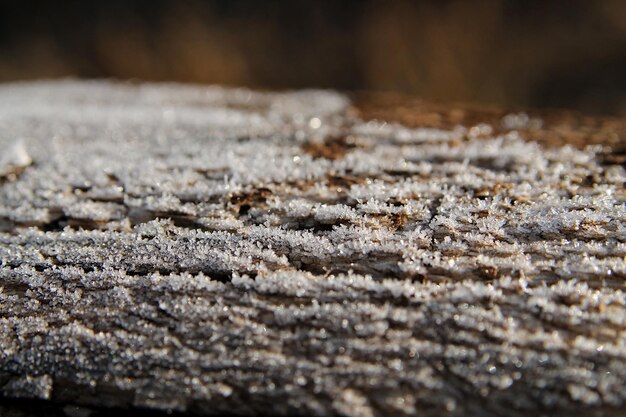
(218, 250)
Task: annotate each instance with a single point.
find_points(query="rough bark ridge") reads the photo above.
(212, 250)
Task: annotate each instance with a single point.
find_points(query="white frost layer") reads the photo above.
(268, 252)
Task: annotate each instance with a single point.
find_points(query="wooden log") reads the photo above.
(208, 250)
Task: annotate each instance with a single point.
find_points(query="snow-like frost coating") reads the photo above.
(225, 250)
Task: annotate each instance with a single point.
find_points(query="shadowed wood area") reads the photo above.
(216, 251)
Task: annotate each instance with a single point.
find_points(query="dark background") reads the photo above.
(515, 53)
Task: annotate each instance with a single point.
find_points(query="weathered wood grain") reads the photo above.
(210, 251)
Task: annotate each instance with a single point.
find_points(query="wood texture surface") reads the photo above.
(207, 250)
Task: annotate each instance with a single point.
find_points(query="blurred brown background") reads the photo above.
(518, 53)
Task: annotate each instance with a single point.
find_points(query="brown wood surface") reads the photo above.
(207, 251)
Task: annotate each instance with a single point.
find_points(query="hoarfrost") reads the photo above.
(221, 250)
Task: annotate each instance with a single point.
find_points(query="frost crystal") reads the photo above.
(218, 250)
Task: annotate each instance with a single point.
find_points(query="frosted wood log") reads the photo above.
(215, 250)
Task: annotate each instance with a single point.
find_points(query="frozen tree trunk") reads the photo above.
(213, 251)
